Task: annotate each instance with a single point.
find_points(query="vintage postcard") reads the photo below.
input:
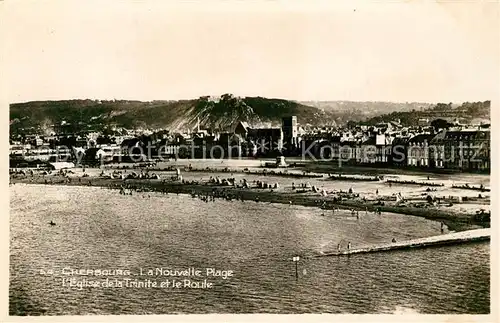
(261, 157)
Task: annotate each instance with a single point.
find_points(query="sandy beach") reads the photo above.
(218, 184)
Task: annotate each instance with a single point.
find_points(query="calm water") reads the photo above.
(101, 229)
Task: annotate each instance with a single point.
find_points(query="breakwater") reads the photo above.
(445, 239)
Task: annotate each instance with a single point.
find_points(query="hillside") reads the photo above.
(467, 112)
(219, 113)
(222, 113)
(344, 111)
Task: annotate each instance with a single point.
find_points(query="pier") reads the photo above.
(444, 239)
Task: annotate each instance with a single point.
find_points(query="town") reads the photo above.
(432, 145)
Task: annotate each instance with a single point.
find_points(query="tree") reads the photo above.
(440, 124)
(351, 124)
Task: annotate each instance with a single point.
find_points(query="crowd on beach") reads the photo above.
(147, 175)
(220, 192)
(247, 171)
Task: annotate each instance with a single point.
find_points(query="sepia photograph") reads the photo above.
(265, 157)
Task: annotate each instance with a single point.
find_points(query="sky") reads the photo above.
(404, 51)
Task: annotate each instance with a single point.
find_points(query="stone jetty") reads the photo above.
(444, 239)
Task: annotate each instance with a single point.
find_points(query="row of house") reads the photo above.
(459, 149)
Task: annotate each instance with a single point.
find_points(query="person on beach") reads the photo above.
(338, 247)
(393, 240)
(349, 246)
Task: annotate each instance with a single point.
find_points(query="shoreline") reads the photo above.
(453, 220)
(310, 166)
(388, 169)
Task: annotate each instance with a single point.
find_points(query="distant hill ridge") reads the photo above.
(467, 111)
(219, 114)
(215, 113)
